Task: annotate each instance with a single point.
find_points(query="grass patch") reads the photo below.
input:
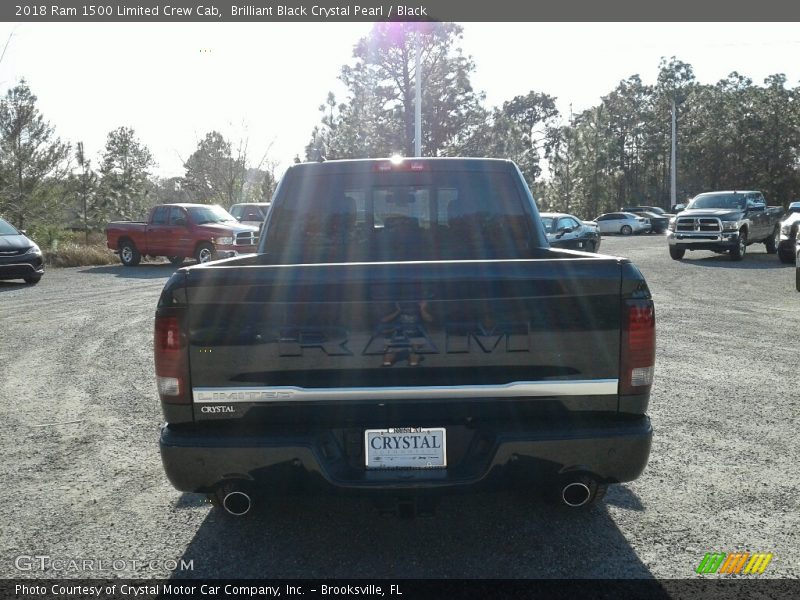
(70, 254)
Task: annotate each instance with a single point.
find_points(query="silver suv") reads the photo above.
(250, 213)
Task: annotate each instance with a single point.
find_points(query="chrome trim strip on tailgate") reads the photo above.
(265, 394)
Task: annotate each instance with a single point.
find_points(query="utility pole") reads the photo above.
(673, 192)
(418, 99)
(569, 158)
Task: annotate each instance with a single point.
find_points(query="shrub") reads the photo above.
(50, 236)
(70, 254)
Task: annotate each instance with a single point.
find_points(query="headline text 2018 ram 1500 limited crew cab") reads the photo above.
(404, 329)
(725, 222)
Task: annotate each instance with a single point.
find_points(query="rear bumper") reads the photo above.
(611, 452)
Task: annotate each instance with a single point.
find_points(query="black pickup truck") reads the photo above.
(725, 222)
(405, 329)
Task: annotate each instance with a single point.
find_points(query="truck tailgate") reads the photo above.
(342, 335)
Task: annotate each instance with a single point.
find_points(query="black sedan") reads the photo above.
(652, 209)
(658, 223)
(568, 231)
(20, 257)
(659, 220)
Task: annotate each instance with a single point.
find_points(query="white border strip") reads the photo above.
(258, 395)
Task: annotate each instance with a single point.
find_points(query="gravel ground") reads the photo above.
(82, 477)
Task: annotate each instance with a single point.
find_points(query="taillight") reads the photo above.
(172, 373)
(638, 355)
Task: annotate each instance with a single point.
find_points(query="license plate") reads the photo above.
(406, 448)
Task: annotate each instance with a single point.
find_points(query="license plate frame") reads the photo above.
(394, 455)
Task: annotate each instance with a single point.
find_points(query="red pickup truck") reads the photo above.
(204, 232)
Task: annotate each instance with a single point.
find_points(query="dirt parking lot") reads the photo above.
(82, 477)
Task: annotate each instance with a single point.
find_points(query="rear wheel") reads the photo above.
(128, 254)
(738, 251)
(626, 230)
(676, 253)
(204, 253)
(772, 241)
(176, 260)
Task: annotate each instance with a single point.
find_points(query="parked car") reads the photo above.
(622, 222)
(788, 235)
(649, 209)
(405, 330)
(567, 231)
(20, 257)
(725, 222)
(658, 223)
(250, 213)
(659, 218)
(205, 232)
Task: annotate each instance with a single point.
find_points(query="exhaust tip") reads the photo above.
(237, 503)
(576, 494)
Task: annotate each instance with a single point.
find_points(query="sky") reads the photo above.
(263, 82)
